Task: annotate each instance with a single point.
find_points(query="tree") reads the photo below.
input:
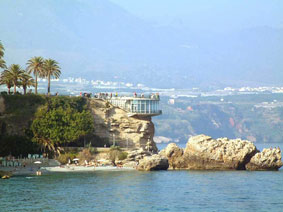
(55, 125)
(2, 62)
(51, 70)
(26, 81)
(5, 79)
(15, 73)
(36, 66)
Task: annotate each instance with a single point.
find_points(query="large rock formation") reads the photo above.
(153, 163)
(114, 125)
(174, 155)
(204, 153)
(268, 159)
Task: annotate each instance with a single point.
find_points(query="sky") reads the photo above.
(216, 41)
(220, 15)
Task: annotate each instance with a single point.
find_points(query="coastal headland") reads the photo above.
(86, 124)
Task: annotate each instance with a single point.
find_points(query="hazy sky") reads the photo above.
(209, 14)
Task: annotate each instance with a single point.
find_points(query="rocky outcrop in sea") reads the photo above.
(268, 159)
(153, 163)
(204, 153)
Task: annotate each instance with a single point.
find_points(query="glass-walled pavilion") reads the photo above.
(135, 105)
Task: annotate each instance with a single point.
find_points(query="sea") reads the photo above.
(145, 191)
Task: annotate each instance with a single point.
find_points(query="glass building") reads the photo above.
(137, 106)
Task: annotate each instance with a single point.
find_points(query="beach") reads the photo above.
(31, 170)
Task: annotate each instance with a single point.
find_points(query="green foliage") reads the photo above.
(15, 73)
(76, 103)
(35, 65)
(19, 104)
(85, 154)
(2, 62)
(51, 69)
(112, 148)
(62, 120)
(17, 146)
(93, 150)
(122, 155)
(64, 158)
(113, 155)
(116, 153)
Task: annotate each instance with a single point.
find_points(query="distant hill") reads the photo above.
(254, 117)
(99, 40)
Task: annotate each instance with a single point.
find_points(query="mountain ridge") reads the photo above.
(101, 40)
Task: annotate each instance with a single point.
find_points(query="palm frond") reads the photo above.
(35, 66)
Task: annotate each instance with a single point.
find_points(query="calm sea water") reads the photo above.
(144, 191)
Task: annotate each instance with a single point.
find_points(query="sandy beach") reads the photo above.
(84, 168)
(33, 169)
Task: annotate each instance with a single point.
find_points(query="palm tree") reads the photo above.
(35, 66)
(5, 79)
(15, 73)
(26, 81)
(2, 62)
(51, 70)
(1, 49)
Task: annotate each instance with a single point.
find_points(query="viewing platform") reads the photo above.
(136, 105)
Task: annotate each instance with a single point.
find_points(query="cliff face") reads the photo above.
(114, 125)
(110, 123)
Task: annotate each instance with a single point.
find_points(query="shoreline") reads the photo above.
(61, 169)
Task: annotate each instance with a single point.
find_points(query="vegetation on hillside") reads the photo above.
(32, 122)
(62, 120)
(253, 117)
(116, 153)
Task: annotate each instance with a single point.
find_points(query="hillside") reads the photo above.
(257, 118)
(29, 123)
(104, 41)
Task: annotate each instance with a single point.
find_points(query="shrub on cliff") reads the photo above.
(62, 120)
(85, 154)
(122, 155)
(116, 153)
(64, 158)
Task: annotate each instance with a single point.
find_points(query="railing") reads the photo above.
(146, 111)
(135, 96)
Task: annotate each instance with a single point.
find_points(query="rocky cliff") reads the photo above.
(114, 125)
(111, 124)
(204, 153)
